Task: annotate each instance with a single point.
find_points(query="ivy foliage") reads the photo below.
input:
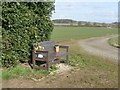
(24, 23)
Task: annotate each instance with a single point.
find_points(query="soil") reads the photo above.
(64, 78)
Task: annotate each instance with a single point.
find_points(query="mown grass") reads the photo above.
(18, 71)
(70, 33)
(114, 42)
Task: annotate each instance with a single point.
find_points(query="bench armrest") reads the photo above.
(63, 46)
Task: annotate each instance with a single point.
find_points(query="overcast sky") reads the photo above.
(87, 10)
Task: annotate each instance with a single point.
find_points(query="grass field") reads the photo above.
(94, 71)
(70, 33)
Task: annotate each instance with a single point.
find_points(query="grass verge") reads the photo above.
(114, 42)
(18, 71)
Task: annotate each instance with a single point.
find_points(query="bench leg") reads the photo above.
(67, 60)
(33, 59)
(34, 62)
(47, 65)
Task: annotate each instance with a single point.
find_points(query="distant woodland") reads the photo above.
(70, 22)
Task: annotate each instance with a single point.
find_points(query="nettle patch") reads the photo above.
(24, 23)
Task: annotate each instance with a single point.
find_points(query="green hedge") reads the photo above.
(24, 23)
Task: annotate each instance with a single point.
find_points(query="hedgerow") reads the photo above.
(24, 23)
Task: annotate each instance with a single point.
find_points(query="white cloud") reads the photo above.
(95, 11)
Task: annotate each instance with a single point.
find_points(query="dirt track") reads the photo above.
(100, 47)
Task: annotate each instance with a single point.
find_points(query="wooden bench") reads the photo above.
(50, 57)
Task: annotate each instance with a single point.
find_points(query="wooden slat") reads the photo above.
(62, 46)
(61, 54)
(49, 54)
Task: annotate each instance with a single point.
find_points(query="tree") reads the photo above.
(24, 23)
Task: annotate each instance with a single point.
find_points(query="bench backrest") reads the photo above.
(48, 46)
